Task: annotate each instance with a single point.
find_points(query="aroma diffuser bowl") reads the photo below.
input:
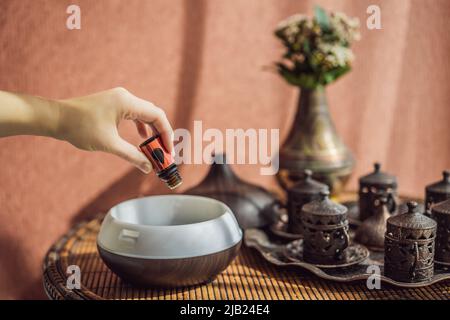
(169, 241)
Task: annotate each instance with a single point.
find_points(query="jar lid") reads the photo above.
(442, 186)
(307, 185)
(442, 208)
(378, 177)
(324, 206)
(412, 219)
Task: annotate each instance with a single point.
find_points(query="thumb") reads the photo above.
(130, 153)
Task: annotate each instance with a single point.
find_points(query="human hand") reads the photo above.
(90, 123)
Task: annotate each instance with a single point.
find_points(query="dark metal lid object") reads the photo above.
(412, 220)
(442, 186)
(438, 191)
(253, 206)
(378, 178)
(324, 207)
(307, 185)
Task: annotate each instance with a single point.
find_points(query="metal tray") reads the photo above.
(273, 252)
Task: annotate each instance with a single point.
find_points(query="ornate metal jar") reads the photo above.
(441, 214)
(438, 191)
(325, 230)
(373, 184)
(409, 246)
(304, 191)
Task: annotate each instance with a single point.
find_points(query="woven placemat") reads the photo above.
(248, 277)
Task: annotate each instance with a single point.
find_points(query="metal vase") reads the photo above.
(314, 144)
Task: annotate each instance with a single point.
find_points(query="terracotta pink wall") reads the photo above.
(203, 60)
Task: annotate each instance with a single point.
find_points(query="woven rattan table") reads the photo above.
(248, 277)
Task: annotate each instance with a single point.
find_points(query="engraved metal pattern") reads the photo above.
(325, 231)
(441, 214)
(303, 192)
(409, 246)
(274, 253)
(371, 186)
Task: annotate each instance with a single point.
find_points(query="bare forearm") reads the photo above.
(89, 122)
(27, 115)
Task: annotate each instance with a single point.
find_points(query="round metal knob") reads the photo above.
(412, 206)
(377, 166)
